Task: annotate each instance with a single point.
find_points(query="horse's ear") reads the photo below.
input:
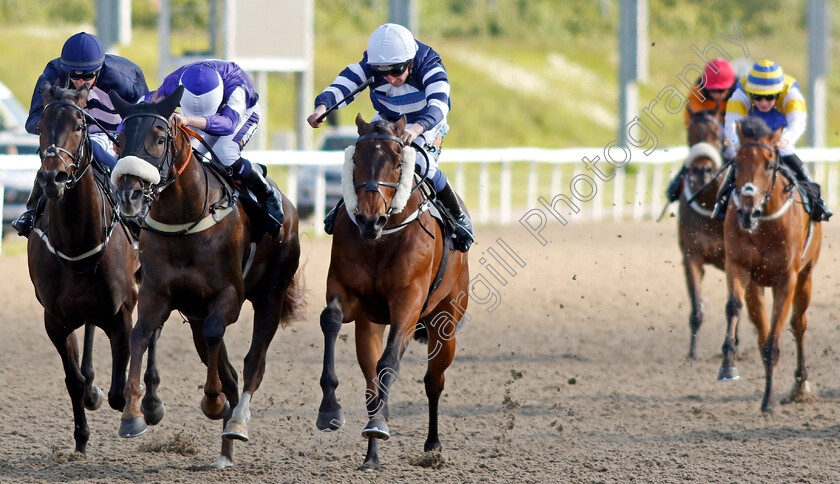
(166, 107)
(775, 137)
(46, 93)
(738, 130)
(360, 122)
(121, 105)
(401, 124)
(81, 96)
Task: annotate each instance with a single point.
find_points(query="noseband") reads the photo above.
(373, 185)
(71, 167)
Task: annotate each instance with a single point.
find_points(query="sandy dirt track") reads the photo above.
(579, 375)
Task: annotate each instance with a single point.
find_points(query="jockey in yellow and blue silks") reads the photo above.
(766, 92)
(408, 79)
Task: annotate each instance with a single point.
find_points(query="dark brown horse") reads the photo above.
(81, 260)
(386, 254)
(770, 241)
(199, 258)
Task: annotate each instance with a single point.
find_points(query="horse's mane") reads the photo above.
(755, 128)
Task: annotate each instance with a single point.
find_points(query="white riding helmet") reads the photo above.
(391, 44)
(203, 90)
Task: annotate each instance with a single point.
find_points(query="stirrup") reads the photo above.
(24, 223)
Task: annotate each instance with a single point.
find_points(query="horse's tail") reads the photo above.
(294, 299)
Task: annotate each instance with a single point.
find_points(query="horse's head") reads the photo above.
(702, 164)
(377, 175)
(756, 167)
(705, 126)
(148, 149)
(63, 139)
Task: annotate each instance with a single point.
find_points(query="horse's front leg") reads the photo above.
(223, 311)
(152, 312)
(783, 293)
(64, 341)
(693, 266)
(152, 407)
(736, 280)
(93, 395)
(405, 311)
(801, 391)
(330, 415)
(118, 332)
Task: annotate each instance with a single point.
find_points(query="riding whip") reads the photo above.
(348, 98)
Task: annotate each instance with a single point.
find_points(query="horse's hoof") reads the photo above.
(800, 393)
(132, 427)
(728, 373)
(223, 414)
(432, 447)
(376, 429)
(330, 421)
(97, 397)
(236, 431)
(221, 463)
(153, 413)
(369, 467)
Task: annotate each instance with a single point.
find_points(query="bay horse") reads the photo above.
(199, 259)
(386, 253)
(700, 234)
(81, 259)
(770, 242)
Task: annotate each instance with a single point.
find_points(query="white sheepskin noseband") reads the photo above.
(133, 165)
(409, 155)
(704, 149)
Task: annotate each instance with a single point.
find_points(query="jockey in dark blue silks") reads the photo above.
(83, 62)
(220, 101)
(409, 80)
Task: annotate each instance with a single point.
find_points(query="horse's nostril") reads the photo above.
(61, 177)
(136, 195)
(381, 221)
(756, 213)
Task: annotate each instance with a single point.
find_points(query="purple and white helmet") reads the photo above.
(203, 90)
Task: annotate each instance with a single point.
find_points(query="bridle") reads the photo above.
(71, 167)
(749, 189)
(373, 185)
(164, 162)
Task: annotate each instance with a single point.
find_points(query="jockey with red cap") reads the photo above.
(718, 87)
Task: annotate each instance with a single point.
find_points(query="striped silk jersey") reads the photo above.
(789, 113)
(423, 98)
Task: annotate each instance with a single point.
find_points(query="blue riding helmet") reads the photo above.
(203, 90)
(82, 52)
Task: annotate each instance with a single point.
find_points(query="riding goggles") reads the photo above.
(83, 75)
(765, 97)
(393, 70)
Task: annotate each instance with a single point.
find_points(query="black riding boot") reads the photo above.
(26, 221)
(329, 220)
(674, 188)
(819, 210)
(722, 201)
(265, 193)
(464, 235)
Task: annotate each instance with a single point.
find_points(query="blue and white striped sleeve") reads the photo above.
(436, 86)
(349, 79)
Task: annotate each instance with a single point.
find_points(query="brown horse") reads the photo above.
(199, 258)
(81, 260)
(383, 267)
(769, 242)
(700, 234)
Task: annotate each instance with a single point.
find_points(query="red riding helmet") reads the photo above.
(723, 78)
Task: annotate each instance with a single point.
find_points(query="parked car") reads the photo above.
(335, 139)
(15, 140)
